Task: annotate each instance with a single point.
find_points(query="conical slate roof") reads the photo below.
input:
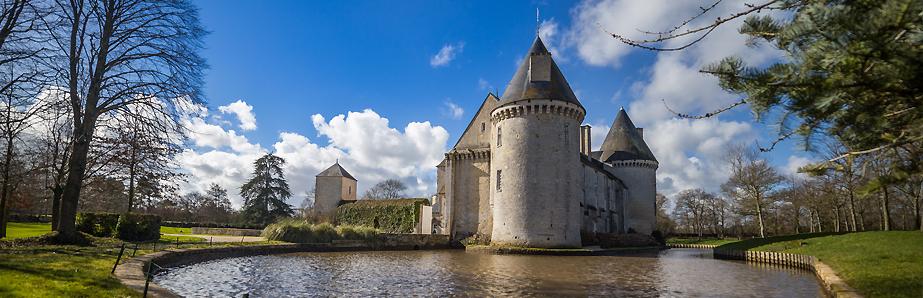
(623, 142)
(538, 78)
(336, 171)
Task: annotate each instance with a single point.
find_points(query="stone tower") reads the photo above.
(535, 169)
(634, 164)
(332, 186)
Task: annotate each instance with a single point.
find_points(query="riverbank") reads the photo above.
(876, 264)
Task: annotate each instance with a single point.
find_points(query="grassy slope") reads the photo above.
(877, 264)
(24, 230)
(709, 241)
(174, 230)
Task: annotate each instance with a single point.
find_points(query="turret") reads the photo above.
(634, 164)
(535, 169)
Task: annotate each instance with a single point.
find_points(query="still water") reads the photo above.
(669, 273)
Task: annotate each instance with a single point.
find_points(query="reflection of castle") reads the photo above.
(523, 172)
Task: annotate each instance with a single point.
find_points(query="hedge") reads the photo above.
(388, 216)
(192, 224)
(139, 227)
(98, 224)
(130, 227)
(299, 231)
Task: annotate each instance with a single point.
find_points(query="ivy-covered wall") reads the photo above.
(388, 216)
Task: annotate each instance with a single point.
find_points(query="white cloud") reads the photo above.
(363, 142)
(244, 113)
(548, 30)
(793, 164)
(446, 54)
(453, 110)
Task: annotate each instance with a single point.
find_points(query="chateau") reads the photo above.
(523, 172)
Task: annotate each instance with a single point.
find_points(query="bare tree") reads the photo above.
(388, 189)
(751, 182)
(114, 54)
(21, 78)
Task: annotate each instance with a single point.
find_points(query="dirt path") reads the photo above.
(219, 238)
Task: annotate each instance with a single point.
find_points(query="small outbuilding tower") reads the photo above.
(333, 186)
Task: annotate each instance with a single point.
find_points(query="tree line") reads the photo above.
(758, 200)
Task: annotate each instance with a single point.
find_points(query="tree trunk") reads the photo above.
(77, 166)
(852, 210)
(56, 192)
(131, 182)
(759, 215)
(836, 217)
(885, 212)
(6, 188)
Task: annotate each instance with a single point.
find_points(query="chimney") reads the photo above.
(585, 144)
(640, 132)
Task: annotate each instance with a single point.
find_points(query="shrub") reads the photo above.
(389, 216)
(139, 227)
(300, 231)
(356, 232)
(98, 224)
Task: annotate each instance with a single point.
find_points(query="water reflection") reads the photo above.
(675, 272)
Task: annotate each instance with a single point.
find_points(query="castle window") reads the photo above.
(349, 190)
(566, 139)
(483, 126)
(499, 140)
(499, 176)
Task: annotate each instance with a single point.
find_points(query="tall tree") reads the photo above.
(113, 54)
(751, 182)
(266, 191)
(388, 189)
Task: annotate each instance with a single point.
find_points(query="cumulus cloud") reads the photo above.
(549, 31)
(363, 142)
(446, 54)
(453, 110)
(793, 164)
(244, 113)
(690, 152)
(484, 85)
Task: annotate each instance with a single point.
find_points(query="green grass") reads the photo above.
(16, 230)
(59, 271)
(172, 239)
(175, 230)
(709, 241)
(877, 264)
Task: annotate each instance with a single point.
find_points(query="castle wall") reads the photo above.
(601, 205)
(470, 198)
(640, 176)
(328, 193)
(538, 159)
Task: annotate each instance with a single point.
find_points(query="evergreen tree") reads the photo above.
(266, 191)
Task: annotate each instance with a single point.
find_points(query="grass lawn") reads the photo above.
(709, 241)
(16, 230)
(172, 239)
(59, 271)
(877, 264)
(174, 230)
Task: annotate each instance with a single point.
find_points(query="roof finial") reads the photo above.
(338, 160)
(537, 22)
(621, 108)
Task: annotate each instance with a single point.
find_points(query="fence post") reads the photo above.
(147, 277)
(134, 250)
(122, 250)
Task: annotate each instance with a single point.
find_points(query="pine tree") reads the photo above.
(266, 191)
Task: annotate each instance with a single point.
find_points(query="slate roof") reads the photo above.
(623, 142)
(336, 171)
(538, 78)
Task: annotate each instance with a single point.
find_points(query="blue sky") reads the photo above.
(294, 66)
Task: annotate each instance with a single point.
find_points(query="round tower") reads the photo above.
(634, 164)
(535, 168)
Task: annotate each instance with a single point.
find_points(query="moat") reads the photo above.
(674, 272)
